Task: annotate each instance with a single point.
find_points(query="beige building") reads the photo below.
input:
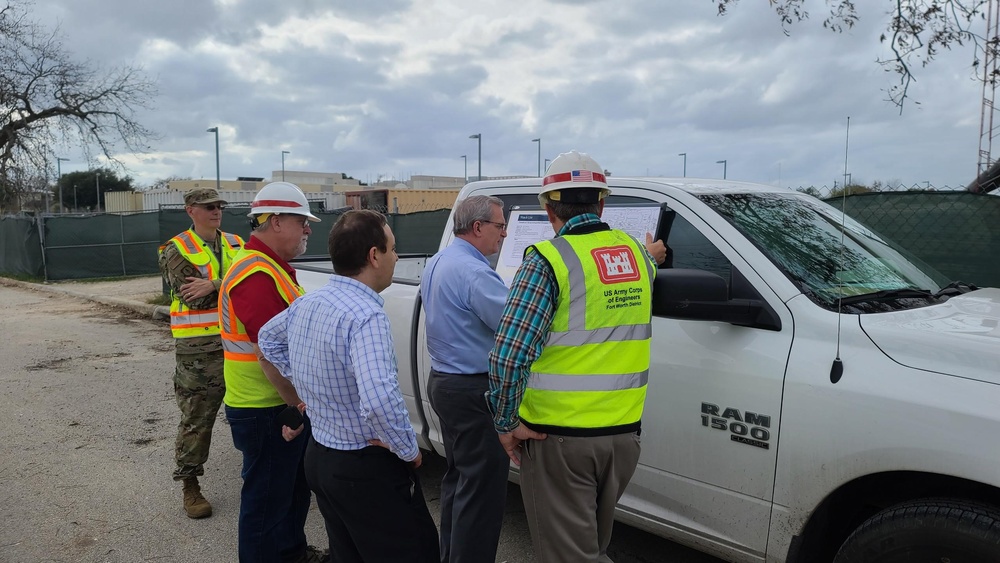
(402, 200)
(419, 193)
(318, 181)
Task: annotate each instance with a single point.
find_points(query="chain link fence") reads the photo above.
(62, 247)
(956, 232)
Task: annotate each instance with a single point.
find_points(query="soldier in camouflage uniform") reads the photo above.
(193, 263)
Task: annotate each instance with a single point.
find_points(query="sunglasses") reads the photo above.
(212, 206)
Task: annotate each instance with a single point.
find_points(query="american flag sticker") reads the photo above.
(583, 176)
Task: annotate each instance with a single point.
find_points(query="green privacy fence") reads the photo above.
(957, 233)
(20, 247)
(66, 247)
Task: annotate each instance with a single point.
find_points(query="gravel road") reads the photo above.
(87, 426)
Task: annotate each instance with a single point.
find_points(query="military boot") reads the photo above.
(194, 504)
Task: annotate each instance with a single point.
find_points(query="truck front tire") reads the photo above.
(926, 531)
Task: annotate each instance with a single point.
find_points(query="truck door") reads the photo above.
(710, 425)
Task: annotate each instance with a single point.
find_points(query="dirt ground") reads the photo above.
(87, 426)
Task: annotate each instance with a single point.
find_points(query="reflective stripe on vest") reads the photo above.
(186, 322)
(246, 384)
(594, 368)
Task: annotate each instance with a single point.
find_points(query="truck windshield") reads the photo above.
(802, 236)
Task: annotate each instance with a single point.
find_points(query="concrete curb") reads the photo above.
(155, 312)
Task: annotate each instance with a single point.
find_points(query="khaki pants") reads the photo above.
(570, 486)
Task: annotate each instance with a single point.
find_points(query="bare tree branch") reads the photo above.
(47, 98)
(918, 30)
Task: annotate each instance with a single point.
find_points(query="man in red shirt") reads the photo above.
(274, 500)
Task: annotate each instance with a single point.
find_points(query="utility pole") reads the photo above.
(59, 160)
(479, 138)
(218, 177)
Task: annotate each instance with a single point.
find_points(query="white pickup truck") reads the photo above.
(757, 447)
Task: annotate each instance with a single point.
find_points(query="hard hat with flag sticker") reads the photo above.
(574, 177)
(279, 198)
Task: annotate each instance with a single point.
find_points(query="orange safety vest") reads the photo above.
(184, 321)
(246, 384)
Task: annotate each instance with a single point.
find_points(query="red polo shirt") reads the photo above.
(256, 299)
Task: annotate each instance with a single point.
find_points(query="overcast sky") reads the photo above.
(395, 88)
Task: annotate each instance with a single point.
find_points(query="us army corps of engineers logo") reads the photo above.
(616, 264)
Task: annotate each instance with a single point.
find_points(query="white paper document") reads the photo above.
(526, 227)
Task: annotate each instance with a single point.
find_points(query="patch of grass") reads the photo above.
(22, 277)
(159, 300)
(109, 279)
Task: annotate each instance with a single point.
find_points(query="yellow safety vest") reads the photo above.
(184, 321)
(590, 378)
(246, 384)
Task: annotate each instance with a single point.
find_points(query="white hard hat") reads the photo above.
(568, 175)
(280, 198)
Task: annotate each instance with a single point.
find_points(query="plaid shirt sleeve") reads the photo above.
(527, 317)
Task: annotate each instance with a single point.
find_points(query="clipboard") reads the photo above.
(528, 224)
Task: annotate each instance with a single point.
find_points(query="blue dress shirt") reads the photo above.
(463, 299)
(334, 344)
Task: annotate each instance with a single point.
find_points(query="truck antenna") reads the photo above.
(837, 369)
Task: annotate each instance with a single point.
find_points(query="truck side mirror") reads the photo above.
(700, 295)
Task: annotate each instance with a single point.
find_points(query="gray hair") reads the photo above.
(472, 209)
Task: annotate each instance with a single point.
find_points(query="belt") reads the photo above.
(481, 374)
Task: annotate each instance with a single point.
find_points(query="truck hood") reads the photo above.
(959, 337)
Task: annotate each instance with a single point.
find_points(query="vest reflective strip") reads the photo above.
(577, 320)
(233, 240)
(189, 319)
(577, 285)
(189, 244)
(238, 350)
(622, 333)
(600, 382)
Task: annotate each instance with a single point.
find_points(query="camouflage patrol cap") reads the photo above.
(202, 196)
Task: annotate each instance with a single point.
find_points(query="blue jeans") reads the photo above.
(274, 501)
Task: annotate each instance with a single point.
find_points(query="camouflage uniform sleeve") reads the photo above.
(176, 269)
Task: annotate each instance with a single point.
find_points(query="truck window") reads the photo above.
(692, 250)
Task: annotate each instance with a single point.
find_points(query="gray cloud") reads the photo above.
(397, 87)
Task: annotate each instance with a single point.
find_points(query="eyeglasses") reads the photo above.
(502, 226)
(212, 206)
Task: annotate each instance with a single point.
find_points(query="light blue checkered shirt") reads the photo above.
(335, 346)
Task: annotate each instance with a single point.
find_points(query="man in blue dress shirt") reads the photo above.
(335, 346)
(463, 299)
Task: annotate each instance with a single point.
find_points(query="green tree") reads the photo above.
(80, 189)
(48, 98)
(916, 33)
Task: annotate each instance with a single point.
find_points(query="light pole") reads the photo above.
(97, 180)
(539, 141)
(723, 163)
(685, 156)
(466, 162)
(283, 153)
(59, 160)
(547, 161)
(75, 204)
(218, 177)
(479, 138)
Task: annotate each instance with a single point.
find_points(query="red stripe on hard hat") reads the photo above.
(275, 203)
(568, 177)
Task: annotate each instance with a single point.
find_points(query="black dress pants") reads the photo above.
(372, 505)
(474, 486)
